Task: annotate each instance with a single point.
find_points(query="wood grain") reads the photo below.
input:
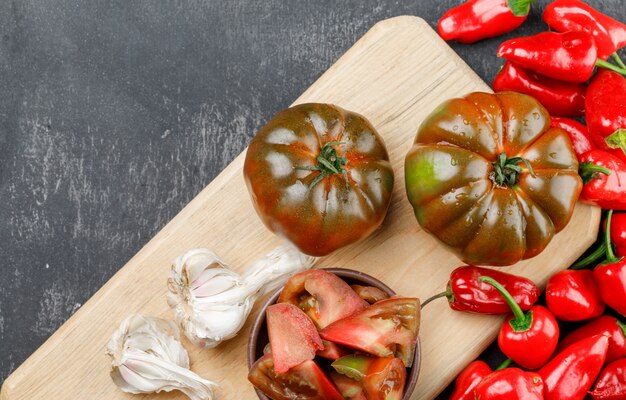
(395, 75)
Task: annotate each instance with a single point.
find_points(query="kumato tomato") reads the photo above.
(490, 178)
(319, 176)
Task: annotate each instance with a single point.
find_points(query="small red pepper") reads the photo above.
(510, 384)
(564, 99)
(574, 15)
(611, 384)
(577, 133)
(611, 275)
(607, 326)
(465, 292)
(468, 379)
(570, 374)
(574, 296)
(604, 179)
(618, 233)
(605, 106)
(529, 339)
(479, 19)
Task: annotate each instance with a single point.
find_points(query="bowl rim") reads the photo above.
(343, 273)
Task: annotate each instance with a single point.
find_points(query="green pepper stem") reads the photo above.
(520, 322)
(610, 256)
(592, 258)
(622, 326)
(609, 66)
(618, 60)
(437, 296)
(505, 364)
(589, 171)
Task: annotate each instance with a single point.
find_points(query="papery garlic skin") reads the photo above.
(211, 302)
(147, 357)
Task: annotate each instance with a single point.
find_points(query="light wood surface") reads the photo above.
(395, 75)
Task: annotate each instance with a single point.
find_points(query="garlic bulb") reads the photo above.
(211, 302)
(147, 357)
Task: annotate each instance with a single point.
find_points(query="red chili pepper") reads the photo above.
(618, 233)
(468, 379)
(604, 178)
(607, 326)
(510, 384)
(577, 133)
(563, 99)
(465, 292)
(605, 107)
(574, 296)
(479, 19)
(611, 384)
(574, 15)
(570, 374)
(529, 339)
(611, 275)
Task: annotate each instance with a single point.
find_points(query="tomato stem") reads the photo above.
(328, 163)
(521, 322)
(505, 170)
(591, 258)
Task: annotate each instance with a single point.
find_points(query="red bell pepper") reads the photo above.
(605, 106)
(574, 296)
(570, 374)
(574, 15)
(611, 384)
(465, 292)
(611, 275)
(618, 233)
(468, 379)
(606, 325)
(510, 384)
(564, 99)
(479, 19)
(529, 339)
(604, 179)
(577, 132)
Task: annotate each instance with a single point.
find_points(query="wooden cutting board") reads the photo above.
(395, 75)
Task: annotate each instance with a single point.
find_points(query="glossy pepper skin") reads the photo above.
(577, 132)
(618, 233)
(570, 374)
(468, 379)
(479, 19)
(563, 99)
(611, 384)
(453, 182)
(574, 296)
(605, 106)
(611, 275)
(510, 384)
(575, 15)
(465, 292)
(606, 191)
(313, 154)
(606, 325)
(569, 56)
(529, 339)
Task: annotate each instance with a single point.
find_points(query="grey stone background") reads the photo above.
(115, 114)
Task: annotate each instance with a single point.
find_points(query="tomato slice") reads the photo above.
(370, 294)
(293, 337)
(332, 351)
(382, 378)
(323, 296)
(349, 388)
(384, 329)
(305, 381)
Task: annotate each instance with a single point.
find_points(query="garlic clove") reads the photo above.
(147, 357)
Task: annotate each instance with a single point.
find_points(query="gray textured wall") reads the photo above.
(114, 114)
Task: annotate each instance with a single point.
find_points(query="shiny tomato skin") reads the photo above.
(319, 217)
(382, 378)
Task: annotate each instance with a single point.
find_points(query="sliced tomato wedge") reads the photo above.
(305, 381)
(370, 294)
(293, 337)
(332, 351)
(382, 378)
(387, 328)
(323, 296)
(349, 388)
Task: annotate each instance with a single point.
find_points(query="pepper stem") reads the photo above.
(505, 364)
(609, 66)
(622, 326)
(592, 258)
(435, 297)
(610, 256)
(588, 171)
(618, 60)
(521, 322)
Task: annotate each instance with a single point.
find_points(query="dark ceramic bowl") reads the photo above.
(259, 339)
